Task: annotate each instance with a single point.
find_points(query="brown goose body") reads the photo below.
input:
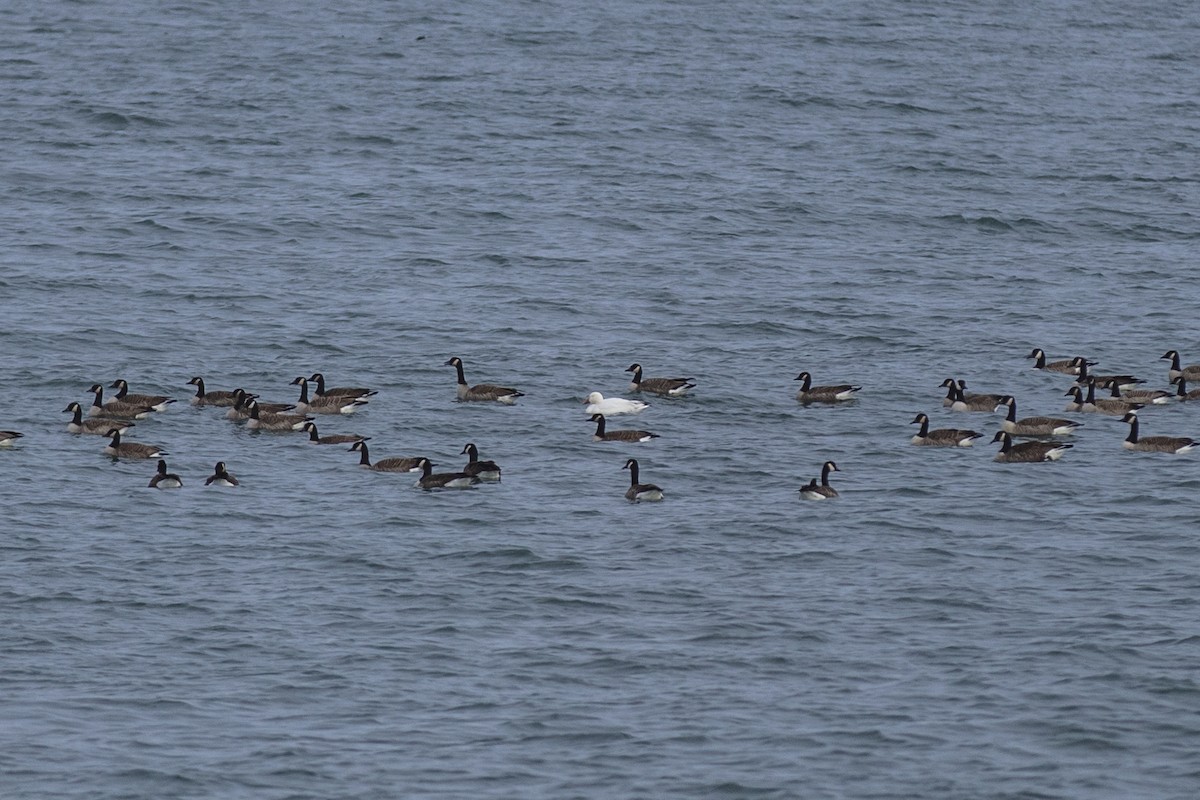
(113, 409)
(838, 393)
(241, 406)
(1033, 426)
(640, 492)
(163, 479)
(484, 470)
(1156, 397)
(97, 426)
(822, 490)
(1085, 377)
(337, 438)
(267, 421)
(1113, 406)
(393, 464)
(9, 438)
(321, 390)
(1183, 394)
(325, 404)
(1155, 444)
(942, 437)
(665, 387)
(1065, 367)
(443, 480)
(1191, 372)
(118, 449)
(158, 402)
(482, 392)
(221, 476)
(206, 398)
(1028, 452)
(602, 434)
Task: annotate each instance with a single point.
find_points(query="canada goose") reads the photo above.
(484, 470)
(163, 479)
(1082, 379)
(1067, 367)
(1033, 426)
(637, 492)
(667, 387)
(338, 391)
(114, 410)
(443, 480)
(337, 438)
(267, 421)
(1028, 452)
(1113, 406)
(387, 464)
(99, 426)
(601, 435)
(203, 398)
(325, 404)
(118, 449)
(482, 392)
(158, 402)
(1154, 444)
(1183, 395)
(221, 476)
(823, 394)
(961, 401)
(1191, 372)
(612, 406)
(241, 406)
(1077, 404)
(942, 437)
(813, 491)
(9, 438)
(1156, 397)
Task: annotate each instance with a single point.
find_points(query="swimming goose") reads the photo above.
(1156, 397)
(387, 464)
(482, 392)
(268, 421)
(1027, 452)
(443, 480)
(221, 476)
(667, 387)
(1183, 395)
(813, 491)
(942, 437)
(241, 406)
(959, 400)
(338, 391)
(1155, 444)
(1067, 367)
(158, 402)
(612, 406)
(1077, 404)
(601, 435)
(1191, 372)
(337, 438)
(1113, 406)
(203, 398)
(118, 449)
(823, 394)
(9, 438)
(484, 470)
(163, 479)
(115, 410)
(1124, 381)
(1033, 426)
(637, 492)
(99, 426)
(325, 404)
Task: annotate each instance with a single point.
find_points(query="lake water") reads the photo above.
(882, 194)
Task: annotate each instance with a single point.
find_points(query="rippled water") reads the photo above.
(886, 195)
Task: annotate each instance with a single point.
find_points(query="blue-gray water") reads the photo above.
(887, 194)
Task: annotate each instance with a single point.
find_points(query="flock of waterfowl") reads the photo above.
(114, 417)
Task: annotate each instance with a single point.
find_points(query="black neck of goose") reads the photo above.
(1083, 372)
(312, 434)
(1115, 387)
(600, 426)
(364, 458)
(825, 475)
(1012, 411)
(78, 418)
(1041, 361)
(806, 384)
(637, 375)
(462, 379)
(952, 392)
(472, 455)
(1005, 443)
(633, 474)
(924, 427)
(320, 390)
(200, 388)
(1180, 380)
(1175, 362)
(1091, 395)
(96, 398)
(1133, 431)
(116, 437)
(122, 390)
(427, 466)
(303, 392)
(253, 409)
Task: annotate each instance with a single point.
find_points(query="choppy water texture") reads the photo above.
(886, 194)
